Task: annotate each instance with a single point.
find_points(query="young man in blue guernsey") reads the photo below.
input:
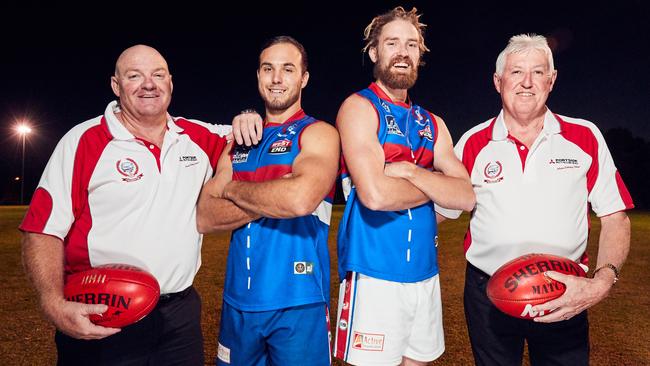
(398, 162)
(277, 196)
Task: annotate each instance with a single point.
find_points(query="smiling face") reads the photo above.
(525, 83)
(397, 55)
(143, 83)
(280, 77)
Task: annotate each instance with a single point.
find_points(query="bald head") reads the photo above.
(143, 84)
(137, 55)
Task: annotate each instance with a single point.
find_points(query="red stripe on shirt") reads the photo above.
(89, 149)
(211, 143)
(39, 212)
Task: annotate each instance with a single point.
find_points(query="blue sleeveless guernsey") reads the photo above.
(396, 246)
(277, 263)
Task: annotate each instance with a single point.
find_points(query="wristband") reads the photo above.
(610, 266)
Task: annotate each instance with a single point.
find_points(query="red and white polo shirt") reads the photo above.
(114, 198)
(537, 200)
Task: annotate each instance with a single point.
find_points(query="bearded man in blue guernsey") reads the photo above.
(398, 162)
(277, 196)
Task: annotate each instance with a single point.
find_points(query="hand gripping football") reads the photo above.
(520, 284)
(130, 293)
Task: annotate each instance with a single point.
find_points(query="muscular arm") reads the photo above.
(364, 158)
(452, 188)
(43, 261)
(583, 293)
(215, 213)
(312, 177)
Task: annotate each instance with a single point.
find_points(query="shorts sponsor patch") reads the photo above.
(368, 341)
(223, 353)
(303, 268)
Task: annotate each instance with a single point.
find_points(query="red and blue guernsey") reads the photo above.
(277, 263)
(396, 246)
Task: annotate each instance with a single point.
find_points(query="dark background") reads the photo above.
(56, 62)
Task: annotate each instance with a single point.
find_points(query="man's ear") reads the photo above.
(497, 82)
(372, 52)
(115, 86)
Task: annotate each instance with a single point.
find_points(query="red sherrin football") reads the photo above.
(130, 293)
(520, 284)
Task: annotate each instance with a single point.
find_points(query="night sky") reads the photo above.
(56, 62)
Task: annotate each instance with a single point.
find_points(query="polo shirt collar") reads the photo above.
(500, 131)
(119, 131)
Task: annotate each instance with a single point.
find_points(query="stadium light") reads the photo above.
(23, 130)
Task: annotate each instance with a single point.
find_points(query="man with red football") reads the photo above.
(535, 173)
(122, 188)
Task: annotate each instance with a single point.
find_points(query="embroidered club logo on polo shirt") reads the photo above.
(492, 172)
(129, 169)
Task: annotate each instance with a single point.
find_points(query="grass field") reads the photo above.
(619, 325)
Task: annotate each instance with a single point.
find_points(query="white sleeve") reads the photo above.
(50, 211)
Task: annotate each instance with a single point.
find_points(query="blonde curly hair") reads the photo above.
(373, 30)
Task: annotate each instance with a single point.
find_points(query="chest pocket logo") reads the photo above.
(129, 169)
(492, 172)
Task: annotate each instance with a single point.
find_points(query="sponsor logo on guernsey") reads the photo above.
(565, 163)
(129, 169)
(280, 147)
(223, 353)
(385, 106)
(301, 268)
(368, 341)
(392, 127)
(492, 172)
(240, 155)
(426, 133)
(419, 119)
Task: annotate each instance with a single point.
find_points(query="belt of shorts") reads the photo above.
(174, 295)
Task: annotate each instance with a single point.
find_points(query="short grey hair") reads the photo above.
(521, 43)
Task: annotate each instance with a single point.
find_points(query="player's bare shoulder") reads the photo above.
(355, 107)
(321, 132)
